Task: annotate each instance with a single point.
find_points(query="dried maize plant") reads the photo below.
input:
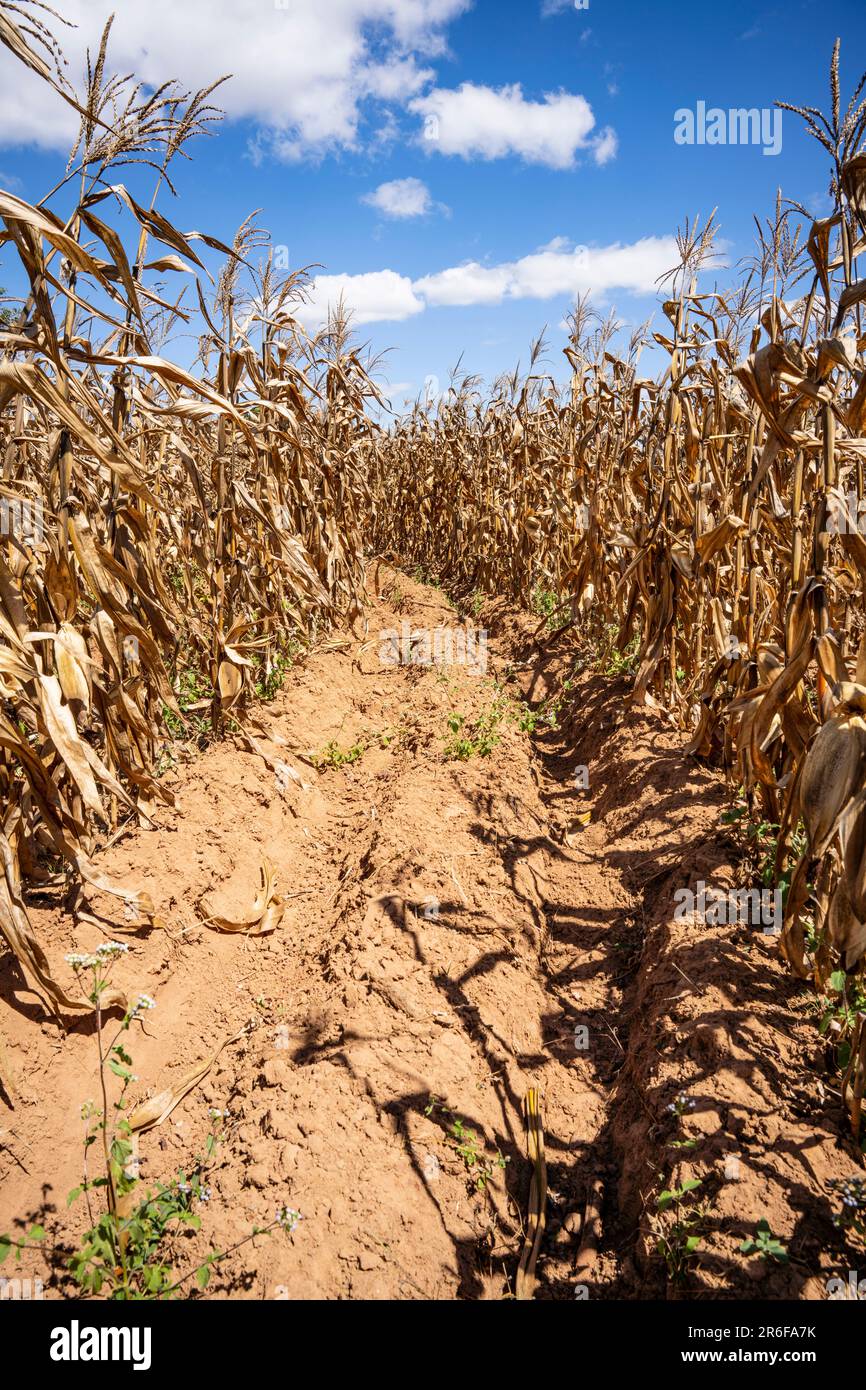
(488, 493)
(714, 514)
(162, 528)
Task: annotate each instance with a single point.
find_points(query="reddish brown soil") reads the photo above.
(366, 1011)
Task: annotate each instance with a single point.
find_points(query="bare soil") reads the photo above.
(451, 926)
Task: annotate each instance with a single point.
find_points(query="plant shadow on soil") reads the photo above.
(404, 1033)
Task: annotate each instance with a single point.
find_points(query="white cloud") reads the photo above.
(465, 284)
(553, 270)
(301, 72)
(400, 198)
(371, 298)
(606, 146)
(556, 269)
(489, 123)
(399, 393)
(396, 79)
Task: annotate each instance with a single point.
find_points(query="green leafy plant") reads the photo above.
(678, 1242)
(528, 719)
(465, 1143)
(621, 663)
(123, 1253)
(548, 605)
(20, 1243)
(838, 1010)
(765, 1244)
(332, 755)
(761, 843)
(271, 678)
(477, 737)
(194, 698)
(546, 715)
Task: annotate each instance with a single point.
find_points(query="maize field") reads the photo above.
(712, 514)
(171, 535)
(176, 527)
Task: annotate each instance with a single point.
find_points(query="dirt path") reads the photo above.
(455, 932)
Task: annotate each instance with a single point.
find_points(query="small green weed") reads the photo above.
(477, 737)
(122, 1254)
(765, 1244)
(332, 755)
(465, 1143)
(678, 1242)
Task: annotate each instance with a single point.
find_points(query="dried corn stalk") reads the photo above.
(716, 515)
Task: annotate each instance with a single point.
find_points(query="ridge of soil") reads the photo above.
(449, 926)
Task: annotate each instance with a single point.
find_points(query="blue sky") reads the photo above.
(555, 132)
